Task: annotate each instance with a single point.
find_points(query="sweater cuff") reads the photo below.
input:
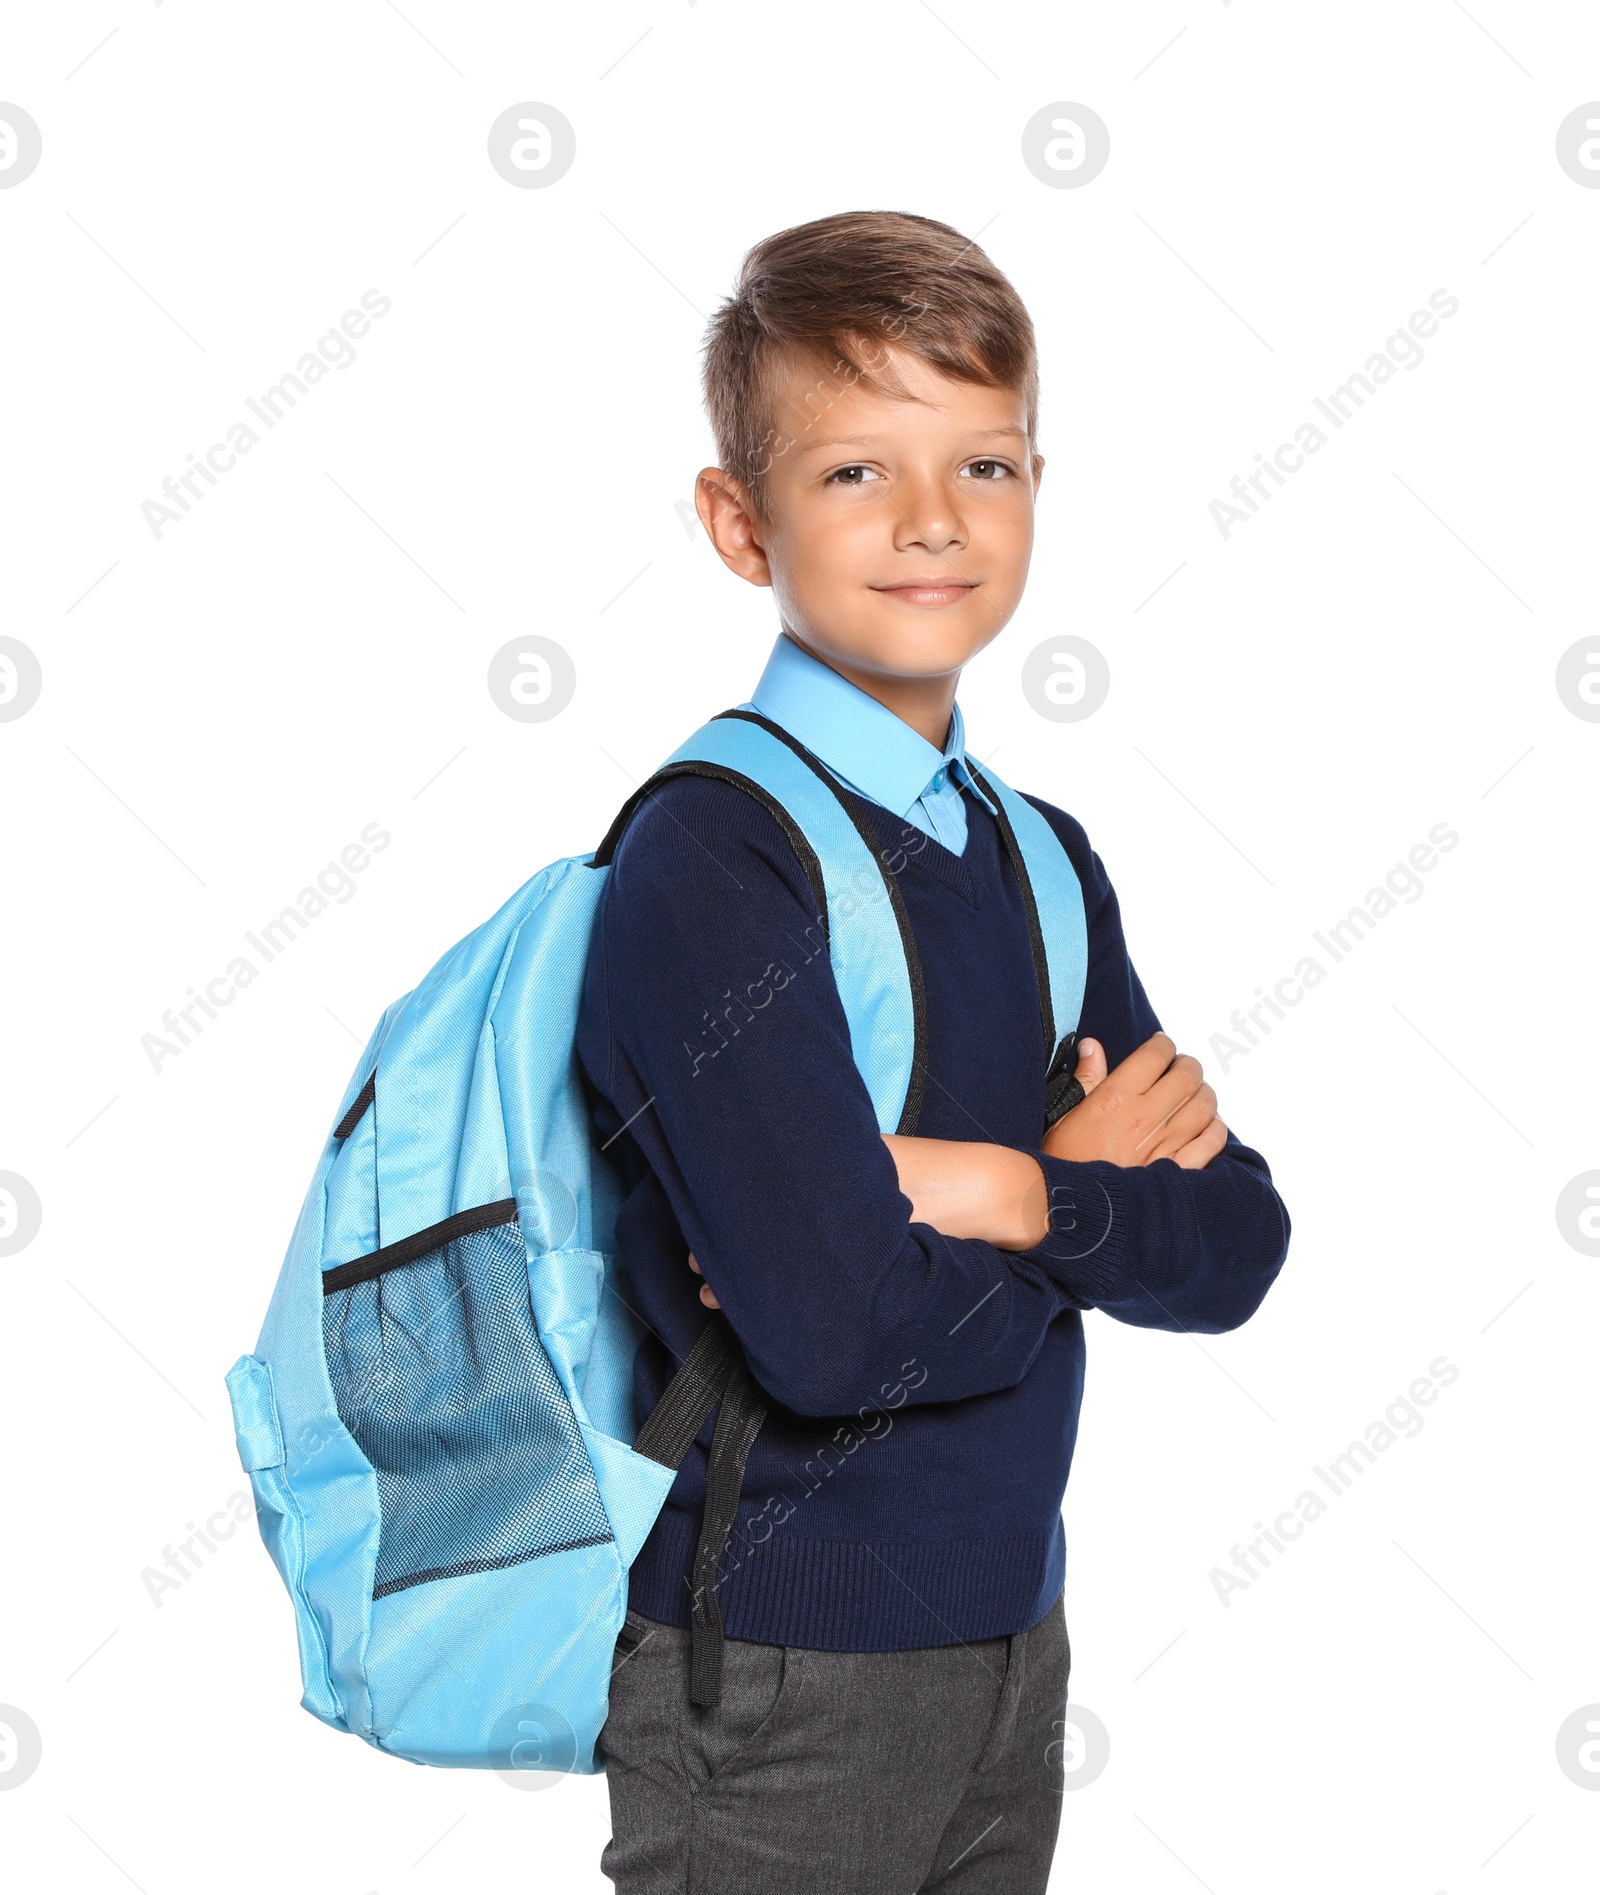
(1090, 1248)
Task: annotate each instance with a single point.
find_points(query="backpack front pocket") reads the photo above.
(439, 1373)
(259, 1433)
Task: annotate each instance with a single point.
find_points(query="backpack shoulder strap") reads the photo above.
(864, 924)
(1054, 901)
(861, 913)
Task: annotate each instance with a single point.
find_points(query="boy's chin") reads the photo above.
(904, 642)
(924, 644)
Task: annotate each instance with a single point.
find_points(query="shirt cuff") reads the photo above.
(1090, 1247)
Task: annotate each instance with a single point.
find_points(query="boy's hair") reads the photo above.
(846, 290)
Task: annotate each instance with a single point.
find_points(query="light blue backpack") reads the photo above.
(438, 1418)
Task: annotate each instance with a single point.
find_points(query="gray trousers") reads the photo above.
(837, 1773)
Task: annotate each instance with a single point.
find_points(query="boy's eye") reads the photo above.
(986, 470)
(853, 476)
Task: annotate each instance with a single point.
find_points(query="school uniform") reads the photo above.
(891, 1591)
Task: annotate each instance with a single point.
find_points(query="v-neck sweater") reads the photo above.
(906, 1488)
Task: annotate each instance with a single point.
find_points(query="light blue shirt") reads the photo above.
(868, 748)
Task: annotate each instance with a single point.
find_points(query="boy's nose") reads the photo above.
(929, 520)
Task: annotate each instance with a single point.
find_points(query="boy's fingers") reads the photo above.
(1145, 1064)
(1188, 1122)
(1091, 1066)
(1199, 1152)
(1176, 1086)
(708, 1296)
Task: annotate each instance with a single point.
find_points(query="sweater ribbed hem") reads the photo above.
(855, 1596)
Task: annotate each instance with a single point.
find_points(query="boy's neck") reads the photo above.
(925, 704)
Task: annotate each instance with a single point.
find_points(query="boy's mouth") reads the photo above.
(929, 592)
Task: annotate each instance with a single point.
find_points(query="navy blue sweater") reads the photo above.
(906, 1489)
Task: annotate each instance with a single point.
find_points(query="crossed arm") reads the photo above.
(832, 1249)
(1155, 1104)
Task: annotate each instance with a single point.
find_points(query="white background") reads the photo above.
(226, 706)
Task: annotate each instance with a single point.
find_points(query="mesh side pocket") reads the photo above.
(439, 1373)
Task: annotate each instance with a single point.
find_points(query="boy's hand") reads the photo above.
(708, 1296)
(1154, 1105)
(1091, 1066)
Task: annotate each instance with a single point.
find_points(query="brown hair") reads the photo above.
(845, 290)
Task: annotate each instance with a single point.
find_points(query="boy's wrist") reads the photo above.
(971, 1189)
(1022, 1198)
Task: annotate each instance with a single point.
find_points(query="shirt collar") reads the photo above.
(859, 739)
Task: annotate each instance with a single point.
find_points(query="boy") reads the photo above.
(897, 1660)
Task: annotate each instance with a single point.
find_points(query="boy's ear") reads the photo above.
(1038, 471)
(726, 515)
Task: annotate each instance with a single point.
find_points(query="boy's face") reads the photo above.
(898, 532)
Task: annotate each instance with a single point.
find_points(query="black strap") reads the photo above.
(1019, 868)
(409, 1249)
(713, 1371)
(1062, 1088)
(358, 1105)
(690, 1396)
(738, 1424)
(719, 773)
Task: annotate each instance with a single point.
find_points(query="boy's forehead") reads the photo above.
(833, 399)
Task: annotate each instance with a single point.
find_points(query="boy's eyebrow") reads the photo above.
(873, 440)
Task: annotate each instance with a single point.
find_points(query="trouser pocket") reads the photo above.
(652, 1723)
(636, 1628)
(757, 1682)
